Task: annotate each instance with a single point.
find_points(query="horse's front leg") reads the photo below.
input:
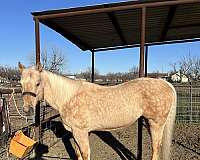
(77, 150)
(82, 139)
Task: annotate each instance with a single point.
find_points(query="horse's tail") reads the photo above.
(168, 130)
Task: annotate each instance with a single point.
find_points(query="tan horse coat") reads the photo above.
(86, 107)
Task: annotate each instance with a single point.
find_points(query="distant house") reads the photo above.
(178, 77)
(3, 80)
(72, 76)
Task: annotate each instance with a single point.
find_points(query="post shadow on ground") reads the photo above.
(60, 132)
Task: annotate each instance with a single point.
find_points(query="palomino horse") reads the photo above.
(86, 107)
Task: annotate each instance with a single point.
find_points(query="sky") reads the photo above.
(17, 41)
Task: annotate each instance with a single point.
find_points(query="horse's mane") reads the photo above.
(59, 76)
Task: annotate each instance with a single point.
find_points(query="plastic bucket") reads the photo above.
(21, 145)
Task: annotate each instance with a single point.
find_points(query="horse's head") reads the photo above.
(32, 89)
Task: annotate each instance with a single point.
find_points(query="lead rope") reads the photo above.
(15, 104)
(26, 118)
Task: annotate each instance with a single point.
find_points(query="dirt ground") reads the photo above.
(122, 144)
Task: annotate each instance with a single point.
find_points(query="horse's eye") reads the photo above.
(37, 84)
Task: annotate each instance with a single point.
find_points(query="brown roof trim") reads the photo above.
(101, 9)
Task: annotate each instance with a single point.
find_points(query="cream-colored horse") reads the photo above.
(86, 107)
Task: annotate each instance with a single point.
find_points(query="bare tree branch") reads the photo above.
(53, 60)
(188, 66)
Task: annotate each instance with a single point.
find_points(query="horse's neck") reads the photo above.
(58, 90)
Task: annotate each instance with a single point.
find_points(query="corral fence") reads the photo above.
(188, 102)
(40, 126)
(10, 120)
(45, 125)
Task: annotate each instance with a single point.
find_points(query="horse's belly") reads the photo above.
(114, 118)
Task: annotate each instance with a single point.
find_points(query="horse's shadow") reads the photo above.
(117, 146)
(60, 132)
(105, 136)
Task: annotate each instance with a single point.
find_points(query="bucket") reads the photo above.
(21, 145)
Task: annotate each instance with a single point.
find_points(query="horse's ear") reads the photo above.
(39, 67)
(21, 67)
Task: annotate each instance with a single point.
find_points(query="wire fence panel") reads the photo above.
(12, 101)
(188, 103)
(48, 118)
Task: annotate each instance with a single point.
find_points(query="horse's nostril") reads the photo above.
(28, 110)
(31, 111)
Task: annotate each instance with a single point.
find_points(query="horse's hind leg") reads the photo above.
(78, 153)
(156, 135)
(82, 140)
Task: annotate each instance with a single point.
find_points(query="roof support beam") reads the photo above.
(170, 16)
(117, 27)
(185, 26)
(149, 44)
(68, 35)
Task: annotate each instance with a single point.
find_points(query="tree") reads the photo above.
(188, 66)
(11, 74)
(195, 70)
(53, 60)
(87, 74)
(133, 73)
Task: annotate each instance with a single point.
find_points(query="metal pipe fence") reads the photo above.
(188, 103)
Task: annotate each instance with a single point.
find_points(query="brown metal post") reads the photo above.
(141, 74)
(146, 61)
(37, 40)
(142, 41)
(92, 74)
(37, 109)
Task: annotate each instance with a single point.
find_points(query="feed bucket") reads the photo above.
(21, 145)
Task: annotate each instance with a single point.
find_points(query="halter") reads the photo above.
(29, 93)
